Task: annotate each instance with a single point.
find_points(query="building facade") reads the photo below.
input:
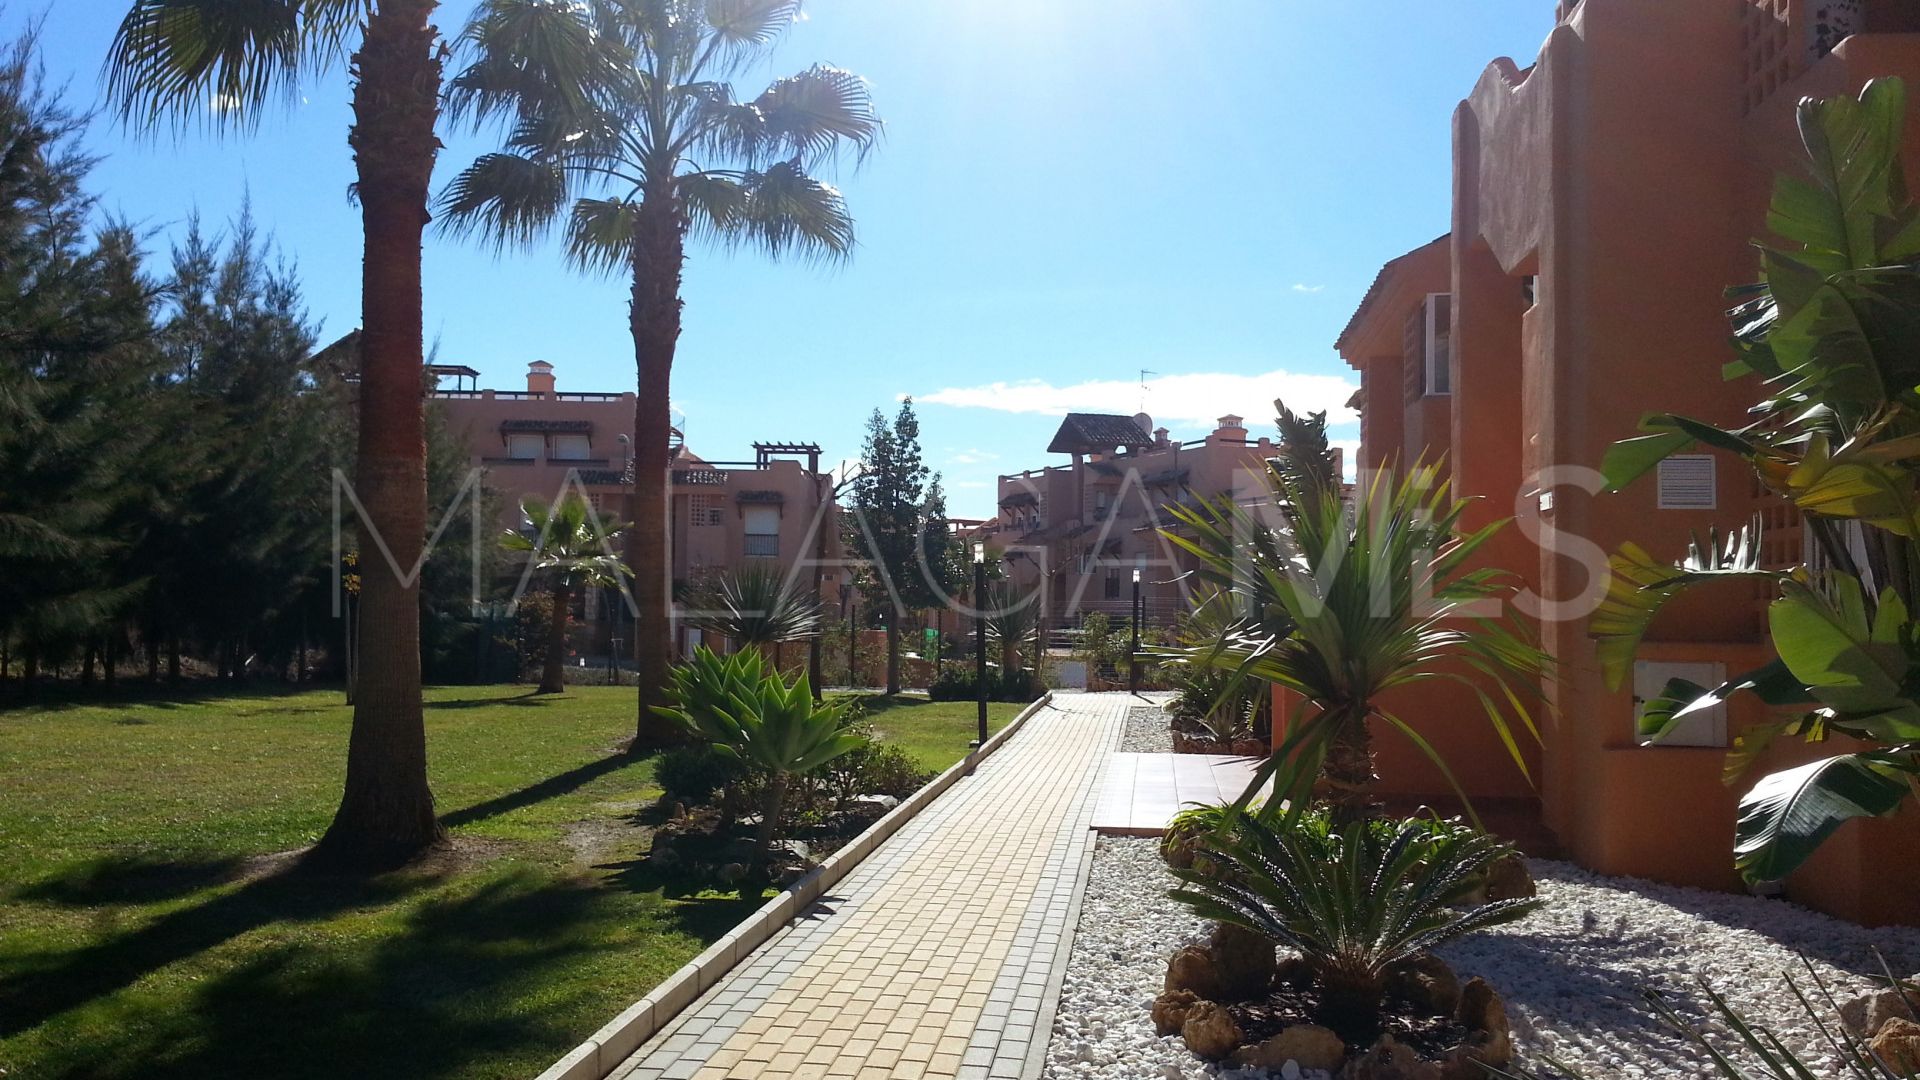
(775, 511)
(1602, 199)
(1075, 534)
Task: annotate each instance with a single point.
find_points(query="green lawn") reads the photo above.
(143, 933)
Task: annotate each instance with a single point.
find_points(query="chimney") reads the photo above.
(1231, 428)
(540, 378)
(1161, 437)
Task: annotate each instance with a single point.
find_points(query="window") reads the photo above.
(763, 532)
(706, 511)
(1708, 727)
(1102, 502)
(571, 448)
(1111, 589)
(525, 447)
(1438, 341)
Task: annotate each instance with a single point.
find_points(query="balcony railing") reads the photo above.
(762, 546)
(699, 477)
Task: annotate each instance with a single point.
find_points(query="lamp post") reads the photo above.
(980, 635)
(1133, 655)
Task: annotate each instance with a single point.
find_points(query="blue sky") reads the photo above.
(1070, 191)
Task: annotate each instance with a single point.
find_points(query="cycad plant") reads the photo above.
(621, 126)
(574, 549)
(749, 713)
(756, 607)
(1352, 903)
(1834, 333)
(1340, 602)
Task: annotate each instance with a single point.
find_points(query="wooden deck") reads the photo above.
(1140, 793)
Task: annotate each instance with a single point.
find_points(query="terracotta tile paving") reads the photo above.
(940, 955)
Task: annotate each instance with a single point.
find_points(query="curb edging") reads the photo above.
(617, 1041)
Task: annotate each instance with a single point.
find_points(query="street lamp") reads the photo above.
(980, 635)
(1133, 657)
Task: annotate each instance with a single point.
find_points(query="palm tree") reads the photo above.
(1340, 604)
(172, 58)
(620, 123)
(574, 549)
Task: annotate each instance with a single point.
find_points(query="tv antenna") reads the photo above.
(1143, 387)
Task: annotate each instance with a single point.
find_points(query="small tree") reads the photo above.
(899, 523)
(573, 549)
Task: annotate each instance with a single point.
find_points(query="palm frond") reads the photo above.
(505, 198)
(220, 59)
(788, 212)
(811, 115)
(600, 234)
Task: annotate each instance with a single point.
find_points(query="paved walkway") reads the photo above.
(1140, 793)
(941, 954)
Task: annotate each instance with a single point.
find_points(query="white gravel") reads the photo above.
(1149, 731)
(1571, 973)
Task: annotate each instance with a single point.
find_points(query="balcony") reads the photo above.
(699, 477)
(762, 546)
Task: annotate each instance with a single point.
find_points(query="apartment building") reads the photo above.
(775, 510)
(1076, 533)
(1602, 198)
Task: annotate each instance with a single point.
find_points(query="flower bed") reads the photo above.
(1571, 974)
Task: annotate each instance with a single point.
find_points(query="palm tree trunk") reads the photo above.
(1348, 769)
(553, 678)
(386, 811)
(653, 314)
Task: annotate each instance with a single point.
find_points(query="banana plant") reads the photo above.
(1833, 332)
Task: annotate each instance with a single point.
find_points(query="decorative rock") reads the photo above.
(1294, 972)
(1425, 980)
(884, 802)
(1391, 1059)
(1898, 1045)
(1865, 1014)
(1305, 1046)
(1210, 1031)
(1483, 1014)
(1243, 960)
(1170, 1011)
(1509, 879)
(1192, 968)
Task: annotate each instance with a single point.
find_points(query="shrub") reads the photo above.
(1352, 902)
(879, 769)
(956, 682)
(694, 773)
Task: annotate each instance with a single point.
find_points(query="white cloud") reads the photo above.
(1301, 287)
(1191, 400)
(972, 456)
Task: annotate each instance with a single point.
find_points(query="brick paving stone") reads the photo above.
(939, 955)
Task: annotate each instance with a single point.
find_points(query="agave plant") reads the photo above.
(1341, 603)
(1834, 333)
(757, 606)
(750, 713)
(1352, 903)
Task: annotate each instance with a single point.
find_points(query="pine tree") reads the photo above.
(899, 524)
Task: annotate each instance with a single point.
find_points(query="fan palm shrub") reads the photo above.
(749, 713)
(1833, 333)
(1341, 602)
(1353, 901)
(574, 549)
(225, 60)
(757, 607)
(621, 127)
(1012, 619)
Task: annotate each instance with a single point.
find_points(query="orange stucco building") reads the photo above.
(1602, 199)
(774, 511)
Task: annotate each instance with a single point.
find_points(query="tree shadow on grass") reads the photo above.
(533, 699)
(552, 787)
(477, 977)
(139, 879)
(43, 985)
(696, 910)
